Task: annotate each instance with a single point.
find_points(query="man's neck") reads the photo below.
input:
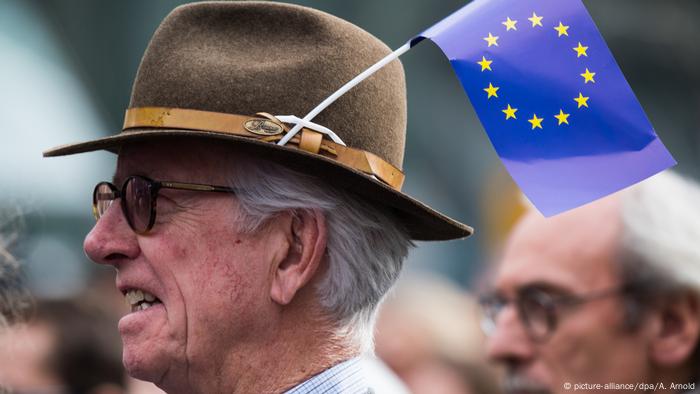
(300, 346)
(299, 371)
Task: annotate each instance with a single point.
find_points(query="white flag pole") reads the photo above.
(330, 99)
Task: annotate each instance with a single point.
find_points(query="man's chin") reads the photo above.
(145, 352)
(141, 365)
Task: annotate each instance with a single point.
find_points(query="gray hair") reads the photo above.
(365, 249)
(661, 230)
(660, 247)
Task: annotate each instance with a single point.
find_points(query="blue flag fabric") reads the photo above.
(552, 99)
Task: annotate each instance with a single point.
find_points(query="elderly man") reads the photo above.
(253, 266)
(605, 298)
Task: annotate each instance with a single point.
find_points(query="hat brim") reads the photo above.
(422, 222)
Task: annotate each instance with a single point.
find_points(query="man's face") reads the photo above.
(571, 254)
(211, 280)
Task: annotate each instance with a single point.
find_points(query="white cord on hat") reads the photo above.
(310, 125)
(330, 99)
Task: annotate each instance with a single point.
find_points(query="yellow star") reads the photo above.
(536, 20)
(581, 50)
(492, 40)
(510, 112)
(535, 121)
(485, 64)
(581, 100)
(491, 90)
(562, 117)
(588, 76)
(562, 30)
(509, 24)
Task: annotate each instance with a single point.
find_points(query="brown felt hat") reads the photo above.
(227, 70)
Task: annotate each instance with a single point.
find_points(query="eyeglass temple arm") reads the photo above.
(197, 187)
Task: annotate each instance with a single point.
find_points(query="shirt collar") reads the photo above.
(344, 377)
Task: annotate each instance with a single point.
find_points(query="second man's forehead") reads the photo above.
(549, 286)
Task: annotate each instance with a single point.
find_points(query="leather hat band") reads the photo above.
(263, 127)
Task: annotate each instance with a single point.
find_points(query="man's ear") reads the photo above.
(677, 331)
(307, 237)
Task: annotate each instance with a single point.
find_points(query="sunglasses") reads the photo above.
(138, 197)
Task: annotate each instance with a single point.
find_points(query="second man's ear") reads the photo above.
(678, 332)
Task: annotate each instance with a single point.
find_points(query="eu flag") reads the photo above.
(552, 99)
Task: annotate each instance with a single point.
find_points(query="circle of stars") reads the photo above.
(562, 30)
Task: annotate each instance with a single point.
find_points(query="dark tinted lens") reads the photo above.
(102, 197)
(537, 310)
(137, 200)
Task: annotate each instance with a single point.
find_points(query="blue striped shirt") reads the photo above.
(360, 375)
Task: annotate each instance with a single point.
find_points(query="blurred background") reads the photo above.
(66, 73)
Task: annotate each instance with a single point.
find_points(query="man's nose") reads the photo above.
(111, 240)
(509, 341)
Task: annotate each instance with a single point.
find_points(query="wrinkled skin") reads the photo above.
(213, 280)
